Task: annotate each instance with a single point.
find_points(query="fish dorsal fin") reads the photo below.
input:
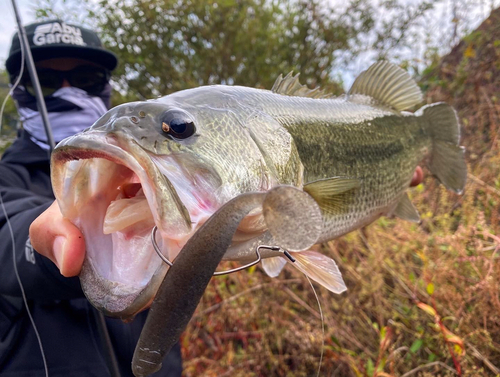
(333, 195)
(389, 85)
(406, 211)
(290, 86)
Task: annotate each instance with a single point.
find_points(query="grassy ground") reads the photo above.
(420, 296)
(422, 300)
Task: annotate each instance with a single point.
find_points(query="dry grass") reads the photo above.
(420, 296)
(423, 300)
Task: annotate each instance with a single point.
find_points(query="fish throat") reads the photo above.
(107, 200)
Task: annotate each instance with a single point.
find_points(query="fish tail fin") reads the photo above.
(447, 161)
(319, 268)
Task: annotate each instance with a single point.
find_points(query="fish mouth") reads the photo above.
(112, 191)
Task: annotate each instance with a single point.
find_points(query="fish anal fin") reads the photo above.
(406, 211)
(387, 84)
(290, 86)
(333, 195)
(273, 266)
(321, 269)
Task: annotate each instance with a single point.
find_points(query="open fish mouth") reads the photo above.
(113, 192)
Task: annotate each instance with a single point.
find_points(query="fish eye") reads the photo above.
(177, 124)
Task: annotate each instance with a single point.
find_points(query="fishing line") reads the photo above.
(16, 272)
(21, 286)
(322, 325)
(14, 86)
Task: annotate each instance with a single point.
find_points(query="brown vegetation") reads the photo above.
(423, 300)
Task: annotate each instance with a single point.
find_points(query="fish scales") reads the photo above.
(336, 138)
(166, 167)
(175, 161)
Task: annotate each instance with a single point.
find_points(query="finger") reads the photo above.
(418, 177)
(56, 238)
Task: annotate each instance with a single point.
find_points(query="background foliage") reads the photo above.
(422, 300)
(168, 45)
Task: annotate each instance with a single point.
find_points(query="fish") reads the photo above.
(172, 162)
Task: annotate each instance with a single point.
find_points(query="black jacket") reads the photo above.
(64, 318)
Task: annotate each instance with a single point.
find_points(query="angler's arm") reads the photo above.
(39, 276)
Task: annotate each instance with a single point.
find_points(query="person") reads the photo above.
(74, 72)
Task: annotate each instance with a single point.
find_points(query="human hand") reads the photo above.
(56, 238)
(418, 177)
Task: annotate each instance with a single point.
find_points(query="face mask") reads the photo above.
(70, 110)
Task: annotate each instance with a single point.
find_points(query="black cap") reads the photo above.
(57, 39)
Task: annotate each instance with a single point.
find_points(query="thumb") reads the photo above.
(56, 238)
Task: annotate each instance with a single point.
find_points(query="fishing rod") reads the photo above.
(25, 51)
(28, 57)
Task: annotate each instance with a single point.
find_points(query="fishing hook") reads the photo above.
(259, 258)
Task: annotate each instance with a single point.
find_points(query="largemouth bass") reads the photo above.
(172, 162)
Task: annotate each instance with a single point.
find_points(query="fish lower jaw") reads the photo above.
(105, 199)
(116, 299)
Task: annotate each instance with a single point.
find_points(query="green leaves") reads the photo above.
(165, 46)
(10, 117)
(430, 288)
(417, 344)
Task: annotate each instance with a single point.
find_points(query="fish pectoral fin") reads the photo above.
(273, 266)
(406, 211)
(321, 269)
(388, 84)
(290, 86)
(333, 195)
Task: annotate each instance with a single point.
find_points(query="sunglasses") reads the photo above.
(89, 78)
